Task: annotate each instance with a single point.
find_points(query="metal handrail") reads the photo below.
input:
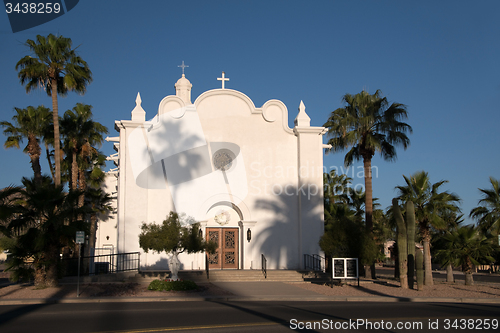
(321, 261)
(264, 266)
(206, 266)
(312, 262)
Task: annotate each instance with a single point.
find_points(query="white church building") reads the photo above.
(254, 184)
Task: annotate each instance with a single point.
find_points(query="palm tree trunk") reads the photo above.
(93, 230)
(74, 172)
(469, 280)
(39, 274)
(82, 183)
(426, 237)
(51, 167)
(367, 164)
(449, 274)
(467, 268)
(34, 152)
(52, 266)
(57, 144)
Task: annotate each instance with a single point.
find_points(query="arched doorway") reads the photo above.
(227, 254)
(223, 229)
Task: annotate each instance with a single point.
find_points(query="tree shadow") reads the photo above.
(277, 320)
(22, 310)
(284, 237)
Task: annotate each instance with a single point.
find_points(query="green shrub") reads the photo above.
(161, 285)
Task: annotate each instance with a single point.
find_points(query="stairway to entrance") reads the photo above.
(236, 275)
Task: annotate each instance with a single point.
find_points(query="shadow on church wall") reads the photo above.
(278, 239)
(185, 165)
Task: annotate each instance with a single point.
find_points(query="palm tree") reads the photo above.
(99, 204)
(336, 187)
(56, 68)
(488, 211)
(98, 201)
(31, 124)
(81, 135)
(453, 221)
(368, 124)
(431, 206)
(466, 246)
(46, 217)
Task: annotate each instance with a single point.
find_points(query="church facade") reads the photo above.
(254, 184)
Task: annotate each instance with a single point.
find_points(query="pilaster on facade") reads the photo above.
(246, 228)
(310, 181)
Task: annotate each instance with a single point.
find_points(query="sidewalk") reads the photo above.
(265, 291)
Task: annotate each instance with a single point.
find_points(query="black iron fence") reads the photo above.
(101, 264)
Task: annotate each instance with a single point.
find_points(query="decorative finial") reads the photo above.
(302, 119)
(223, 79)
(183, 66)
(302, 107)
(138, 113)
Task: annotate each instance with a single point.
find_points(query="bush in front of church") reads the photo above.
(172, 237)
(162, 285)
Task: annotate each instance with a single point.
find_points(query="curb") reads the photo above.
(250, 299)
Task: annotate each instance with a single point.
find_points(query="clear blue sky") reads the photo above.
(440, 58)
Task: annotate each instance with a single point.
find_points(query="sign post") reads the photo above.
(80, 238)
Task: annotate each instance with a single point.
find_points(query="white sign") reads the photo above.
(80, 237)
(345, 268)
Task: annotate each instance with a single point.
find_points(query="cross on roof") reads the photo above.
(183, 66)
(223, 79)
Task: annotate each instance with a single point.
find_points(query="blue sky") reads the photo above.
(440, 58)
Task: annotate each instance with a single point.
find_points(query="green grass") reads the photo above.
(161, 285)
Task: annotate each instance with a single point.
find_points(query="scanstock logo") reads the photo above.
(28, 14)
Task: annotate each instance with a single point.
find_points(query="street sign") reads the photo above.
(80, 237)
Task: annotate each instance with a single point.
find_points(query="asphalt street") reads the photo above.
(217, 316)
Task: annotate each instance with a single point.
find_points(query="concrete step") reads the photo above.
(224, 275)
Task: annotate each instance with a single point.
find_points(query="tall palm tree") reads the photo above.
(81, 134)
(31, 124)
(488, 211)
(98, 201)
(368, 124)
(431, 208)
(466, 246)
(56, 68)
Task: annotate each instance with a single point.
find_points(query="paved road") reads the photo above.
(217, 316)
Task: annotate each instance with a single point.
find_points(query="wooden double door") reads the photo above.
(226, 256)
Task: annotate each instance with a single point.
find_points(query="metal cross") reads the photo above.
(223, 79)
(183, 66)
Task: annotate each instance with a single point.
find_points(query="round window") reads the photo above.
(223, 159)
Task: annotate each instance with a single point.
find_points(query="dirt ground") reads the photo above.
(389, 287)
(97, 290)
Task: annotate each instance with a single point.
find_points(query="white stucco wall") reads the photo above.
(282, 208)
